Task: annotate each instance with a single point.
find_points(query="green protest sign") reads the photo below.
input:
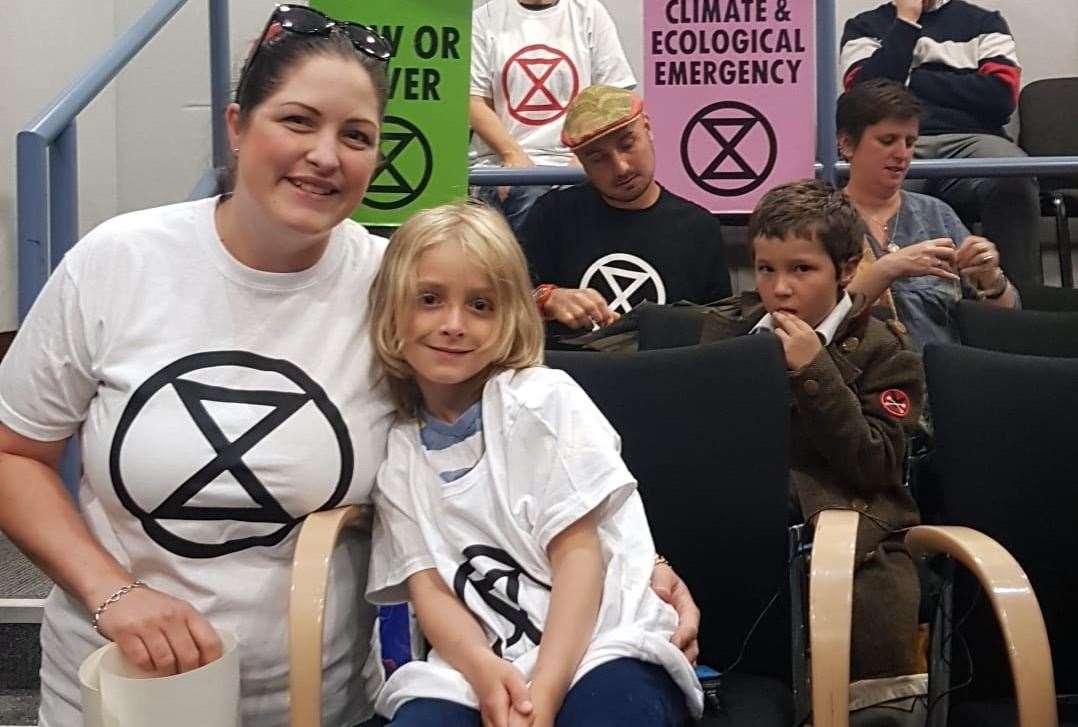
(425, 135)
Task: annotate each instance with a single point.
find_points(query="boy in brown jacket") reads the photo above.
(856, 391)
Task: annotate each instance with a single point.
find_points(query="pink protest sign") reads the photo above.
(731, 94)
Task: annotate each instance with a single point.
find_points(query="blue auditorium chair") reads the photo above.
(669, 326)
(1003, 465)
(1042, 297)
(704, 430)
(1048, 129)
(1032, 332)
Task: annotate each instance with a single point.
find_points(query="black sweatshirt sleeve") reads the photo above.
(985, 96)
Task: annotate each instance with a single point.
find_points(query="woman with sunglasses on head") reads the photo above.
(214, 359)
(920, 258)
(211, 356)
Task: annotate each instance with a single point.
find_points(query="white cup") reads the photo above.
(117, 694)
(90, 688)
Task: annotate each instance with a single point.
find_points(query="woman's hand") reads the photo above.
(504, 700)
(931, 257)
(159, 633)
(671, 589)
(978, 259)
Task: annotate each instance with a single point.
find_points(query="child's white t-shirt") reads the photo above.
(550, 458)
(532, 63)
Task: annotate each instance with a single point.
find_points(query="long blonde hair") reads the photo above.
(485, 237)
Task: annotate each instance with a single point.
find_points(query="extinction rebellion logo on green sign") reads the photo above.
(405, 169)
(424, 149)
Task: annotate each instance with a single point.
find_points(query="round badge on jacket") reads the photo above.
(895, 402)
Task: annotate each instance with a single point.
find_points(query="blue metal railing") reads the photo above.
(47, 149)
(826, 89)
(47, 160)
(919, 169)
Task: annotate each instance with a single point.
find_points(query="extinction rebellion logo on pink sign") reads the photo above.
(731, 93)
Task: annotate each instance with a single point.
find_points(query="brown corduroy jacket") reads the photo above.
(851, 410)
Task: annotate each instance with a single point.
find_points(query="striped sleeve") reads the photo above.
(854, 53)
(997, 56)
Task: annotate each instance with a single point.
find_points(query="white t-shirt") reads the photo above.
(216, 405)
(550, 458)
(532, 63)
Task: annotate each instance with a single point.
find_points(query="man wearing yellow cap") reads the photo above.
(601, 248)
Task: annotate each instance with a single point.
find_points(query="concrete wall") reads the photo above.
(37, 65)
(145, 140)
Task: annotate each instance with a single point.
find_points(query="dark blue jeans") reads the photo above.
(619, 693)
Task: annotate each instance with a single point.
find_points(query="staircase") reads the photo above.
(22, 592)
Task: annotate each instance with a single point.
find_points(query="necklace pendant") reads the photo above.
(892, 247)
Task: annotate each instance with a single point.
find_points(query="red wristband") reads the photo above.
(542, 294)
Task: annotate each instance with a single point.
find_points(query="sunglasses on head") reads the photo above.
(308, 21)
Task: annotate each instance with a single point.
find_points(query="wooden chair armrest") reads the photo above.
(317, 539)
(1016, 608)
(831, 615)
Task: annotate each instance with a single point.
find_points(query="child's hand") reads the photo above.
(800, 342)
(535, 719)
(546, 701)
(503, 695)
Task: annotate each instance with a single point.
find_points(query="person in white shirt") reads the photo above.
(209, 356)
(504, 512)
(530, 58)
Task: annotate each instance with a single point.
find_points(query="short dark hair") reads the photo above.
(812, 210)
(870, 102)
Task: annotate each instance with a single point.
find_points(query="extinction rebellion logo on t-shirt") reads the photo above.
(495, 576)
(625, 281)
(226, 450)
(538, 83)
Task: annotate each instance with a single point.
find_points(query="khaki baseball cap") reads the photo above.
(596, 111)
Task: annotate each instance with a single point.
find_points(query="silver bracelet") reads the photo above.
(111, 600)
